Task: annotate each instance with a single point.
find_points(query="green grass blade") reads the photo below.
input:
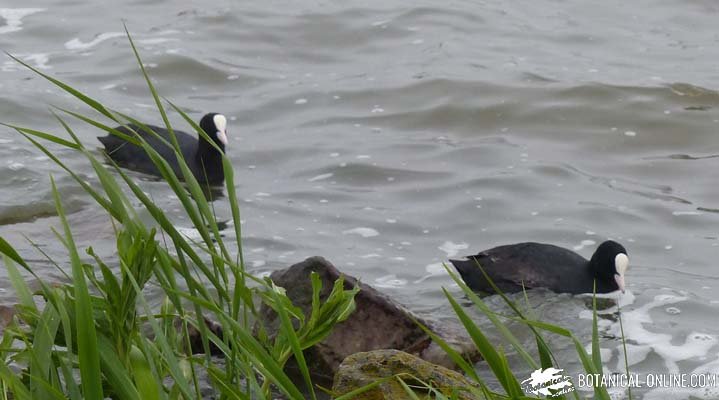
(17, 281)
(150, 86)
(508, 382)
(89, 358)
(106, 128)
(596, 352)
(501, 327)
(410, 392)
(457, 358)
(42, 349)
(95, 195)
(9, 251)
(144, 378)
(222, 383)
(13, 383)
(171, 361)
(359, 391)
(624, 347)
(43, 135)
(288, 332)
(117, 375)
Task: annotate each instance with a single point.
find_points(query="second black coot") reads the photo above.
(530, 265)
(204, 160)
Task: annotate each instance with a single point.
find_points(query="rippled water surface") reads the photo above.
(387, 136)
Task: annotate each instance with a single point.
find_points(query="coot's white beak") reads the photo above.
(620, 281)
(221, 125)
(621, 263)
(222, 136)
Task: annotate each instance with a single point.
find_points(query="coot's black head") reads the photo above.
(215, 125)
(609, 263)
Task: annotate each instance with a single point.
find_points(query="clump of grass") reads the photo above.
(84, 339)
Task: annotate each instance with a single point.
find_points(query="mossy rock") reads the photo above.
(361, 369)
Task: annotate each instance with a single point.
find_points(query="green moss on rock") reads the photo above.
(361, 369)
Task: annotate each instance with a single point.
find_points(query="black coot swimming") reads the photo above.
(204, 160)
(544, 265)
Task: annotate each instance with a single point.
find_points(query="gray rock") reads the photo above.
(377, 323)
(361, 369)
(6, 315)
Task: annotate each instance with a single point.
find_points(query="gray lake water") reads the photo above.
(388, 137)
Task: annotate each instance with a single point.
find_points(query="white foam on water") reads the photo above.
(15, 166)
(605, 353)
(435, 269)
(637, 325)
(452, 249)
(635, 355)
(389, 281)
(583, 244)
(40, 60)
(371, 255)
(263, 274)
(361, 231)
(320, 177)
(686, 213)
(676, 393)
(13, 18)
(672, 310)
(258, 263)
(77, 44)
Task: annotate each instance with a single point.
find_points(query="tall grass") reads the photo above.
(86, 339)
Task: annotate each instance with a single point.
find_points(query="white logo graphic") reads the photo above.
(548, 382)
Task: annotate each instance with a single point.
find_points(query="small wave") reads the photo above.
(362, 231)
(13, 18)
(77, 44)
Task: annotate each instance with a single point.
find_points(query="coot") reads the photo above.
(545, 265)
(204, 160)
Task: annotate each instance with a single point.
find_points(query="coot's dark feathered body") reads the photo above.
(202, 158)
(530, 265)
